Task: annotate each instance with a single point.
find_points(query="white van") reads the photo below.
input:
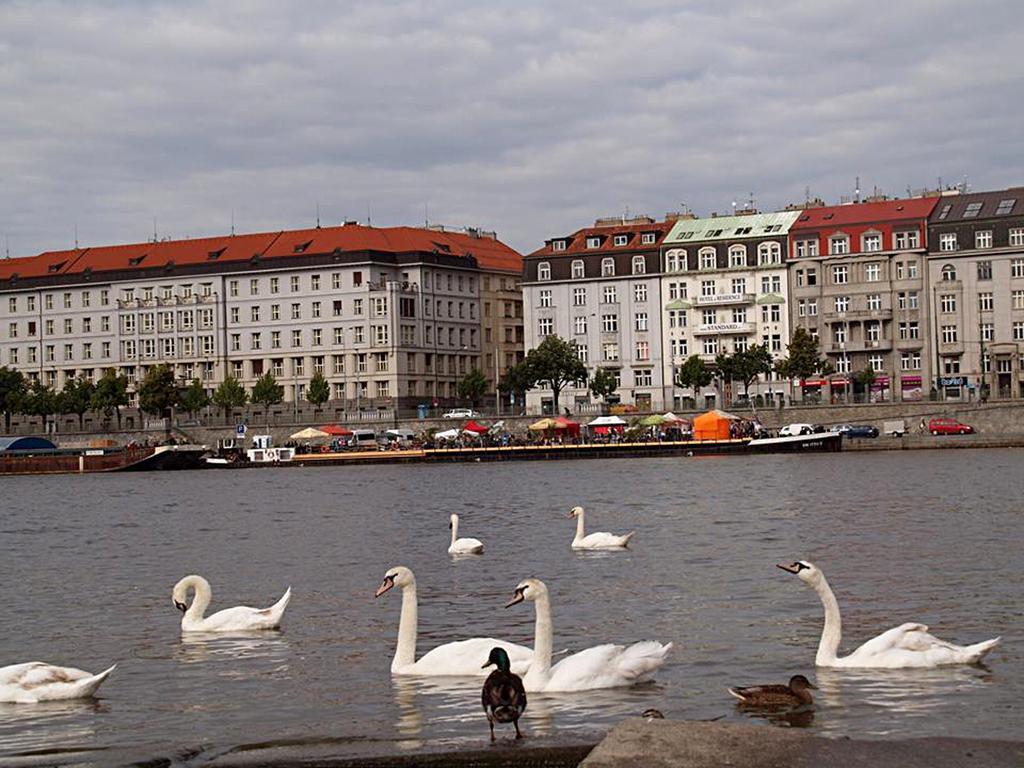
(363, 440)
(895, 428)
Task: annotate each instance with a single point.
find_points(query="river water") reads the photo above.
(87, 564)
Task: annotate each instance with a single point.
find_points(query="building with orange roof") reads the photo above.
(392, 317)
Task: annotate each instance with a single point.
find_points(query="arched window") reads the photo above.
(608, 267)
(769, 253)
(578, 270)
(737, 255)
(639, 265)
(708, 258)
(948, 273)
(675, 260)
(544, 271)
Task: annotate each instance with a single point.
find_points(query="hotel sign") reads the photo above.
(723, 328)
(721, 298)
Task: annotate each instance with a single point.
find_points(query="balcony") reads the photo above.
(859, 315)
(712, 329)
(951, 347)
(717, 299)
(870, 345)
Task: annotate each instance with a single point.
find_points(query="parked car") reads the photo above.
(792, 430)
(949, 427)
(461, 413)
(856, 430)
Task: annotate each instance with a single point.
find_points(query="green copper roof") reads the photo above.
(755, 225)
(678, 304)
(770, 298)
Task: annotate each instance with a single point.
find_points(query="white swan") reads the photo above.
(241, 618)
(464, 657)
(603, 666)
(599, 540)
(463, 546)
(908, 645)
(35, 681)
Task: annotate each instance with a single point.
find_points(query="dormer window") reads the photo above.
(743, 230)
(639, 265)
(620, 240)
(578, 270)
(136, 260)
(215, 254)
(593, 242)
(608, 267)
(301, 247)
(558, 245)
(972, 210)
(713, 233)
(647, 238)
(945, 211)
(1005, 206)
(544, 271)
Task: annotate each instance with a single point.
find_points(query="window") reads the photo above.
(639, 292)
(275, 285)
(842, 304)
(642, 378)
(972, 210)
(582, 353)
(947, 241)
(739, 343)
(647, 238)
(675, 260)
(711, 345)
(872, 272)
(544, 297)
(874, 301)
(380, 335)
(610, 295)
(873, 331)
(910, 361)
(316, 309)
(677, 291)
(905, 240)
(275, 339)
(593, 242)
(806, 248)
(610, 351)
(254, 313)
(1018, 331)
(544, 271)
(1017, 268)
(985, 302)
(988, 331)
(677, 318)
(104, 299)
(737, 256)
(578, 270)
(579, 324)
(708, 258)
(739, 314)
(607, 267)
(912, 270)
(709, 317)
(983, 238)
(707, 287)
(357, 307)
(1005, 206)
(771, 284)
(838, 245)
(812, 307)
(1017, 236)
(839, 334)
(840, 275)
(949, 334)
(620, 240)
(984, 270)
(812, 277)
(640, 321)
(871, 242)
(579, 297)
(609, 323)
(947, 302)
(770, 313)
(769, 253)
(639, 265)
(643, 350)
(545, 326)
(948, 273)
(679, 348)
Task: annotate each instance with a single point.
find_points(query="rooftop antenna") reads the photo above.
(76, 236)
(751, 202)
(368, 220)
(318, 214)
(426, 218)
(7, 246)
(856, 192)
(232, 222)
(807, 194)
(154, 230)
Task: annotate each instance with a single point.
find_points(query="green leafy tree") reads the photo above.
(193, 398)
(158, 392)
(555, 362)
(229, 395)
(13, 389)
(318, 392)
(267, 392)
(693, 374)
(472, 386)
(866, 378)
(110, 395)
(752, 362)
(803, 359)
(603, 384)
(76, 398)
(41, 401)
(517, 381)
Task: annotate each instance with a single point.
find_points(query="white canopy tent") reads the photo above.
(607, 421)
(448, 434)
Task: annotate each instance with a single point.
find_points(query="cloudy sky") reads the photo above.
(524, 117)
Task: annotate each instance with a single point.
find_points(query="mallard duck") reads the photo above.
(503, 695)
(796, 694)
(652, 714)
(238, 619)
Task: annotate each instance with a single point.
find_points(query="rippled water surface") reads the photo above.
(87, 564)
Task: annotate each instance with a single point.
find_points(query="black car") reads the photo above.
(856, 430)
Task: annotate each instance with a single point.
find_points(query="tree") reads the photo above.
(319, 391)
(802, 360)
(693, 373)
(193, 398)
(555, 362)
(267, 392)
(76, 397)
(865, 378)
(110, 394)
(158, 393)
(13, 390)
(750, 363)
(230, 394)
(603, 384)
(517, 380)
(472, 386)
(41, 401)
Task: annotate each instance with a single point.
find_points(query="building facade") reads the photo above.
(390, 316)
(975, 268)
(858, 284)
(599, 288)
(724, 288)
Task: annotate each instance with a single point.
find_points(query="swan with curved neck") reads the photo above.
(908, 645)
(463, 657)
(238, 619)
(603, 666)
(464, 546)
(36, 681)
(598, 540)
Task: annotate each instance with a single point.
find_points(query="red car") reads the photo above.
(949, 427)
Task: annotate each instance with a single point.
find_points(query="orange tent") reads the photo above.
(713, 425)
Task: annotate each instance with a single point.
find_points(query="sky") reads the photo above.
(118, 119)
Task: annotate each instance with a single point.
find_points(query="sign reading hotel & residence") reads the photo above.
(722, 298)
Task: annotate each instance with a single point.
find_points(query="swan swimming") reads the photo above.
(603, 666)
(463, 657)
(35, 681)
(599, 540)
(908, 645)
(240, 618)
(463, 546)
